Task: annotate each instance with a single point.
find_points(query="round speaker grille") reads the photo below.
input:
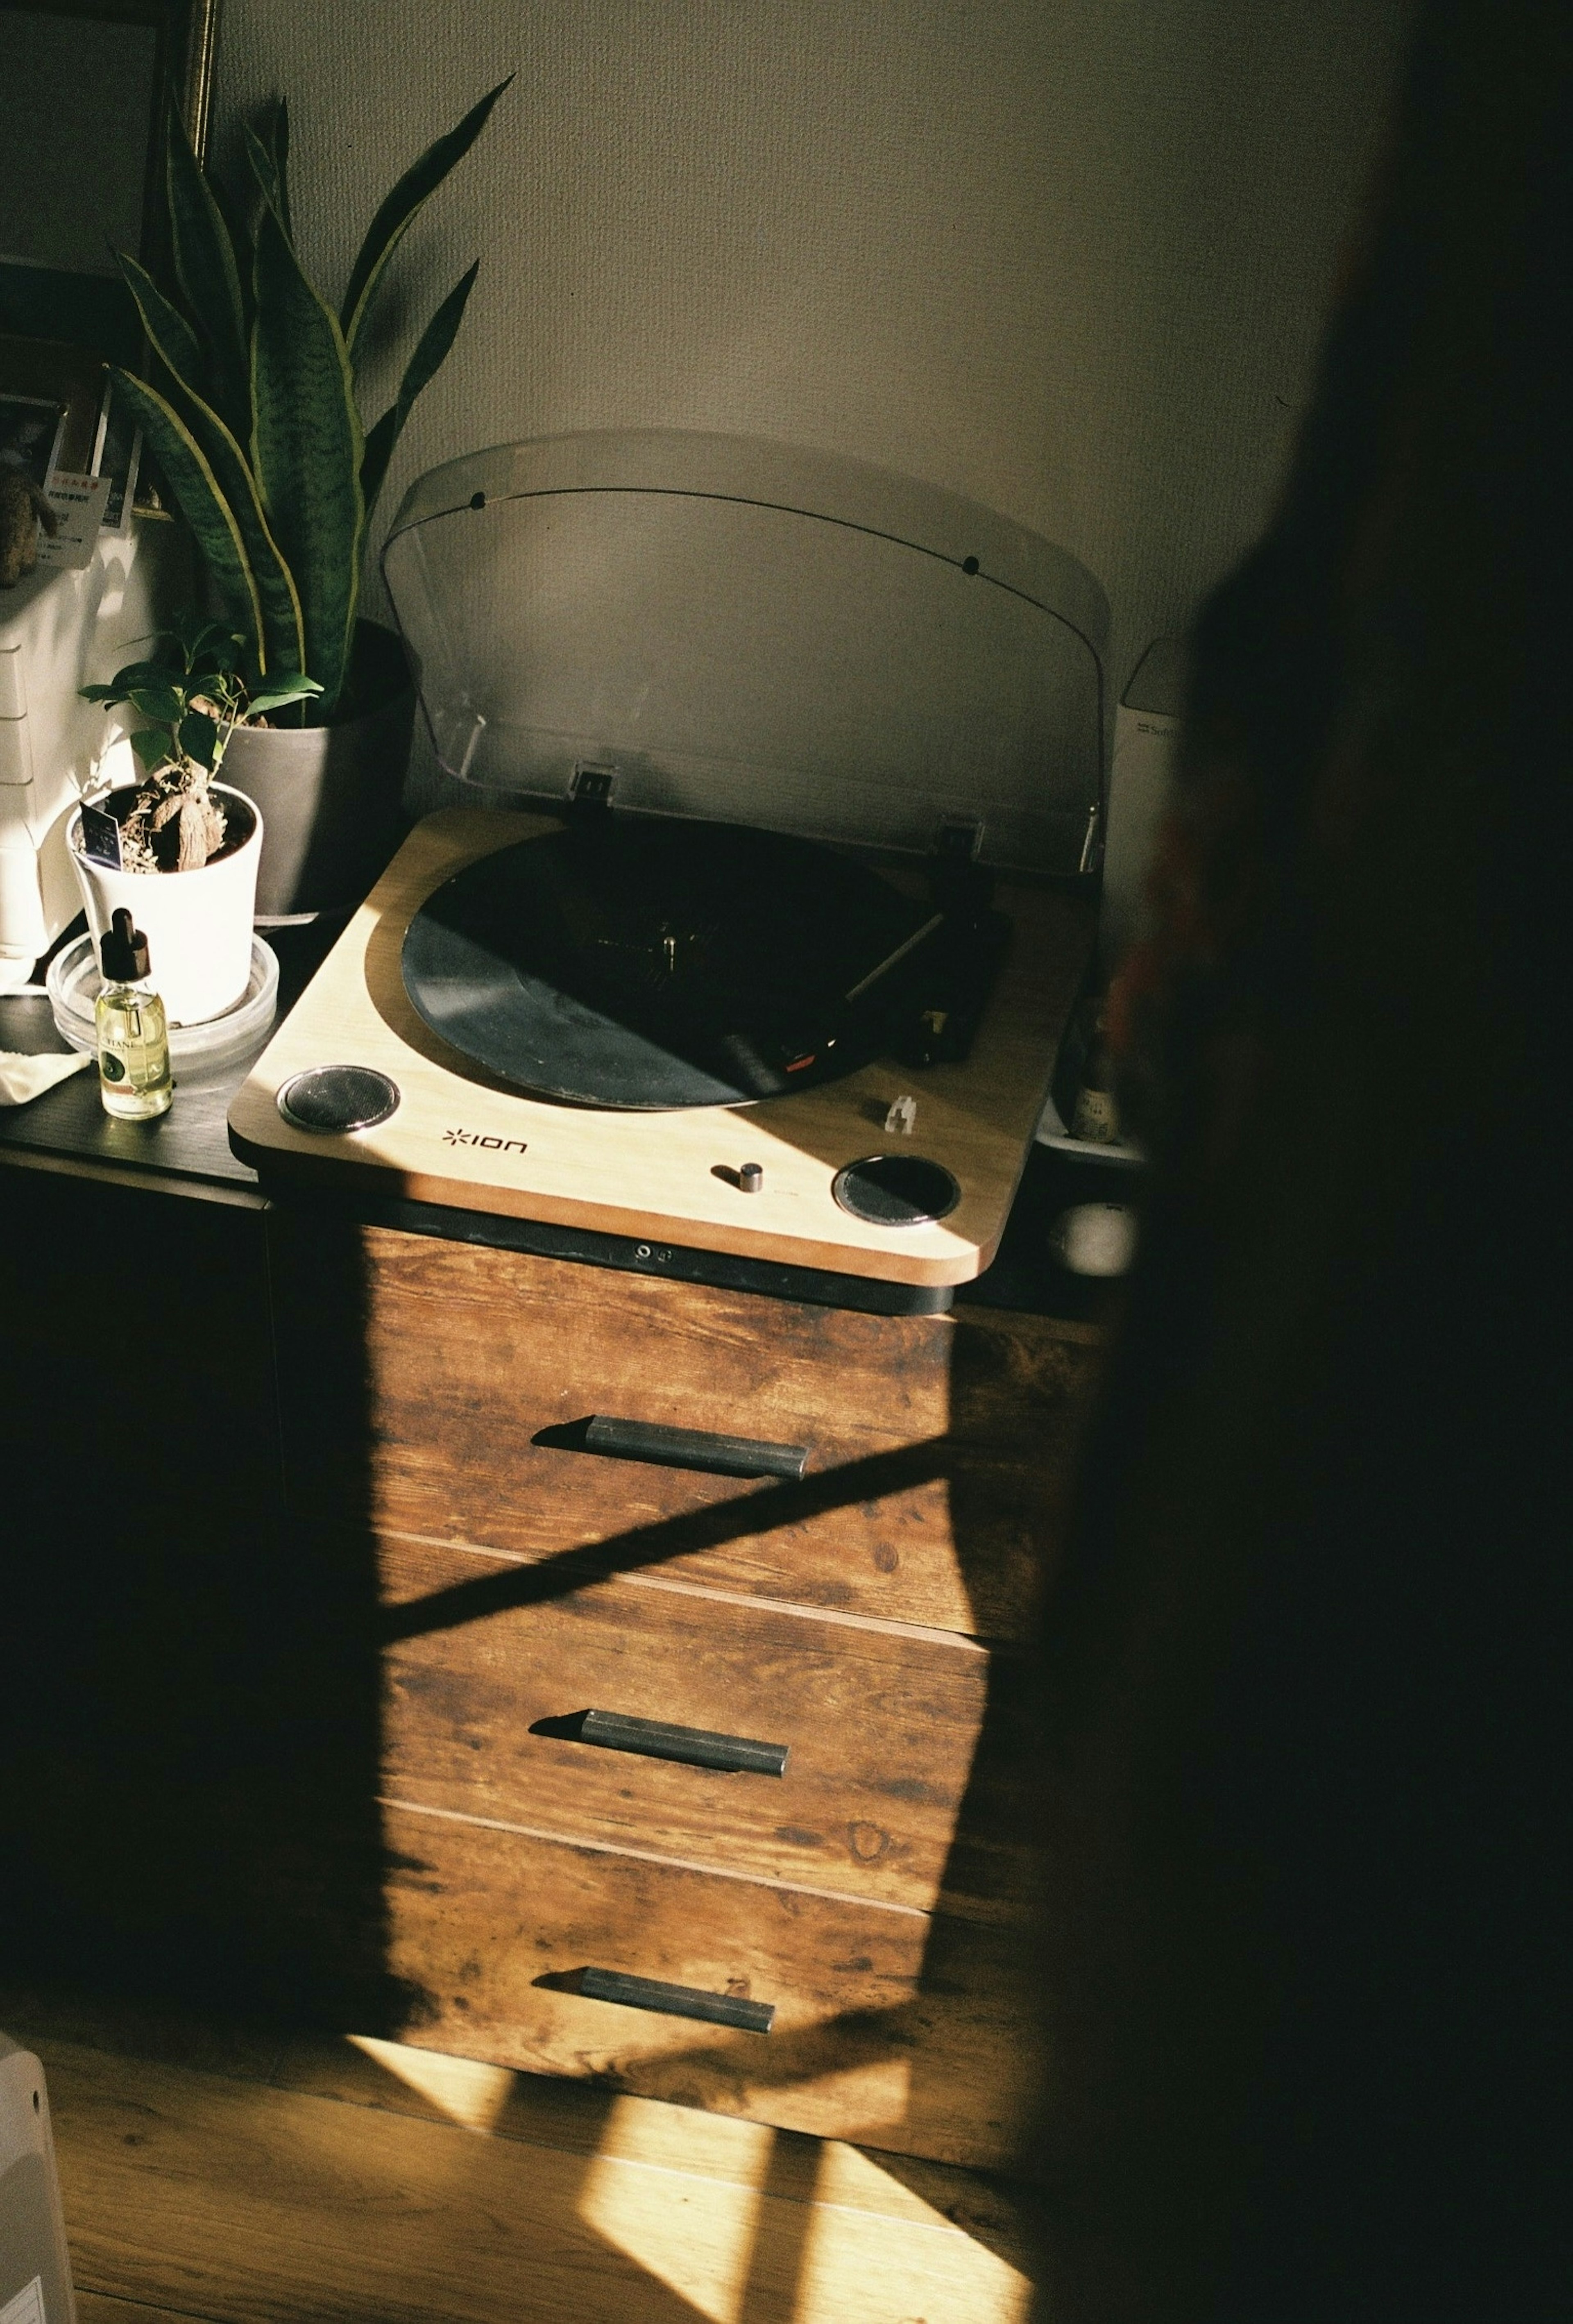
(897, 1190)
(334, 1099)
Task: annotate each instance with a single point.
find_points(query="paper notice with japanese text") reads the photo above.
(78, 504)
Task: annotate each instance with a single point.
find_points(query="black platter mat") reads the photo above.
(651, 966)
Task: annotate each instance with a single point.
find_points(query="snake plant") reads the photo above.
(254, 413)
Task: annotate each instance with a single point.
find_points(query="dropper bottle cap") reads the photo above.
(124, 952)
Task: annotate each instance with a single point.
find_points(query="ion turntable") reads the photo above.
(766, 962)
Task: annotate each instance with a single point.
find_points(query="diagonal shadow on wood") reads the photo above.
(652, 1545)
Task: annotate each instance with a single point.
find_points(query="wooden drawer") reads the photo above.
(883, 1728)
(889, 2028)
(938, 1445)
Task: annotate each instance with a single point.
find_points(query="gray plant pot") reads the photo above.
(330, 795)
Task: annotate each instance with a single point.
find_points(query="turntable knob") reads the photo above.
(751, 1178)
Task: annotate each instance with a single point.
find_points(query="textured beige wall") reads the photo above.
(1068, 256)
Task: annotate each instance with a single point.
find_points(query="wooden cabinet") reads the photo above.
(874, 1896)
(938, 1444)
(890, 2027)
(879, 1725)
(311, 1578)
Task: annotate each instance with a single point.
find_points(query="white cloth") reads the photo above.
(22, 1077)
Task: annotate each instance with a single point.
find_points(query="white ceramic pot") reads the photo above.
(198, 923)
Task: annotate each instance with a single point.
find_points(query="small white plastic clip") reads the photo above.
(902, 1119)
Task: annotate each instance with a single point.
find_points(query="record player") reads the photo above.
(764, 950)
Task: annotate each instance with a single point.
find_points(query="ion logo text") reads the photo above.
(475, 1138)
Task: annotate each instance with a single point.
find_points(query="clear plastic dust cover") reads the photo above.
(738, 629)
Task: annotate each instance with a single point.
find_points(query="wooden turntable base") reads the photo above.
(463, 1139)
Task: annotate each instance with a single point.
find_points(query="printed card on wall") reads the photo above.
(78, 504)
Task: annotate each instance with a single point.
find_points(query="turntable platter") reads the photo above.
(649, 965)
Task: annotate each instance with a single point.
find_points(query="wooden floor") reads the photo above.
(208, 2172)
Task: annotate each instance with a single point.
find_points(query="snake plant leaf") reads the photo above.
(268, 151)
(430, 355)
(198, 735)
(306, 451)
(402, 206)
(205, 267)
(280, 632)
(240, 242)
(202, 504)
(283, 640)
(279, 136)
(264, 168)
(170, 335)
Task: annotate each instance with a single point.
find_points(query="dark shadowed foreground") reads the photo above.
(1301, 1775)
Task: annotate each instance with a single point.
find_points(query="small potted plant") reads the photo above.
(253, 417)
(177, 848)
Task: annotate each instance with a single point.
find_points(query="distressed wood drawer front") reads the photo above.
(902, 2032)
(881, 1726)
(938, 1445)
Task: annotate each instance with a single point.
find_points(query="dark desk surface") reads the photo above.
(190, 1143)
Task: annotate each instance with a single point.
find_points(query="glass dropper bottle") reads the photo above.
(135, 1080)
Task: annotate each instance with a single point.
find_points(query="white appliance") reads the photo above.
(1146, 732)
(1147, 727)
(60, 630)
(36, 2274)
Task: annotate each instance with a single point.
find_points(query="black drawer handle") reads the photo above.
(677, 2000)
(694, 1448)
(652, 1738)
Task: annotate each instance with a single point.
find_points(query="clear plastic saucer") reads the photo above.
(73, 985)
